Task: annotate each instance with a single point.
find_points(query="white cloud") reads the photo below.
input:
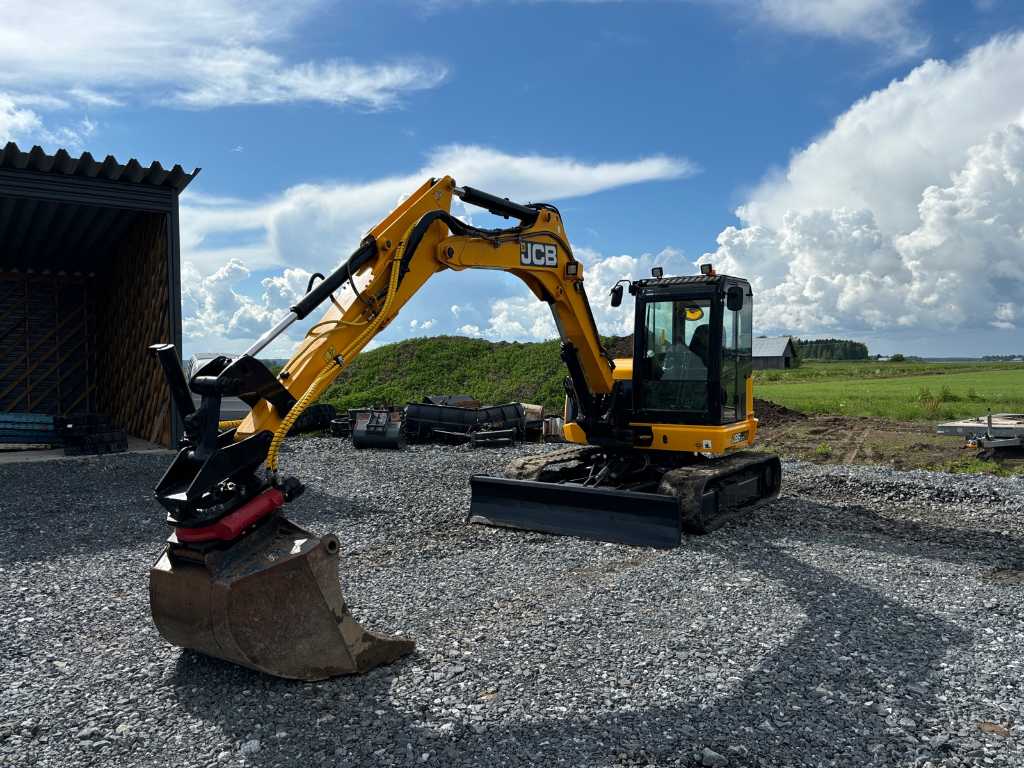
(1005, 317)
(38, 100)
(886, 22)
(421, 325)
(213, 308)
(90, 97)
(196, 53)
(884, 151)
(470, 330)
(908, 214)
(313, 227)
(527, 177)
(20, 124)
(517, 317)
(15, 121)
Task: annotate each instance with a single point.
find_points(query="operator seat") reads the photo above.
(700, 343)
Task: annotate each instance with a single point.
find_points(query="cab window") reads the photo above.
(736, 361)
(676, 355)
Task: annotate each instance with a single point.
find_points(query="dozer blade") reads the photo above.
(271, 601)
(624, 517)
(696, 498)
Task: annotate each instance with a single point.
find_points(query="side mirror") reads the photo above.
(617, 295)
(734, 299)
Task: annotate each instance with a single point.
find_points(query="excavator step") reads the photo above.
(696, 499)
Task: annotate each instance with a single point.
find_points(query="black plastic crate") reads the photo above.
(110, 441)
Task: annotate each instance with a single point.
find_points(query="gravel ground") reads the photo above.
(866, 618)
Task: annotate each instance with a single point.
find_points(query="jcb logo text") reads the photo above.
(538, 255)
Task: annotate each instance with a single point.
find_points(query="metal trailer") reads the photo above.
(990, 433)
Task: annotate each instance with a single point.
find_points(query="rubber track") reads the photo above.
(558, 461)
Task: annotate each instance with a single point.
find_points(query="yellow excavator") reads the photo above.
(659, 439)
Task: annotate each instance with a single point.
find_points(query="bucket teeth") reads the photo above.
(271, 602)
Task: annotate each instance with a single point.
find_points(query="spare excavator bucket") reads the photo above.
(271, 601)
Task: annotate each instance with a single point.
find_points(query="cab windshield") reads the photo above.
(676, 355)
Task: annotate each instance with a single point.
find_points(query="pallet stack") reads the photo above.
(27, 429)
(89, 434)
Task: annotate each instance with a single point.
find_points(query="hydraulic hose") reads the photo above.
(320, 383)
(337, 365)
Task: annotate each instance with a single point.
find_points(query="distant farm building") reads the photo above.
(774, 352)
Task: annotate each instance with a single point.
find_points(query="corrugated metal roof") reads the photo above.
(771, 346)
(84, 165)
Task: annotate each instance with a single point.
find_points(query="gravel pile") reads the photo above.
(866, 618)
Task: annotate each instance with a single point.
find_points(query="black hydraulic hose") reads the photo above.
(456, 226)
(314, 276)
(363, 254)
(356, 291)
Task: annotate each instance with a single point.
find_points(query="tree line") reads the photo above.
(831, 349)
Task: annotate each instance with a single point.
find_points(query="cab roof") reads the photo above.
(708, 280)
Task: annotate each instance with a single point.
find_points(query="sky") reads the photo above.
(861, 162)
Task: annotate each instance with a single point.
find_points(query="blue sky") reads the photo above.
(859, 160)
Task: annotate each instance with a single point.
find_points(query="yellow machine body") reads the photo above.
(683, 438)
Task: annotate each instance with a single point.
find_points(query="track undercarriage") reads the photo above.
(630, 497)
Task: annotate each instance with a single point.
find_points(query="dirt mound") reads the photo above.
(772, 414)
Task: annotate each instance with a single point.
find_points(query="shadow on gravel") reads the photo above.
(861, 527)
(80, 507)
(292, 718)
(825, 695)
(87, 507)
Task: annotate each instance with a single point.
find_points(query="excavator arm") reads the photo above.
(416, 241)
(239, 581)
(218, 470)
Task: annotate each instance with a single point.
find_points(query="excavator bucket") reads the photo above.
(271, 602)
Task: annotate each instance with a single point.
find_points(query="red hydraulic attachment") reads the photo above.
(230, 527)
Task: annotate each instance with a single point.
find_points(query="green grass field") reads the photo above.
(911, 391)
(502, 372)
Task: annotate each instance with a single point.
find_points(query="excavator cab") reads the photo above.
(692, 350)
